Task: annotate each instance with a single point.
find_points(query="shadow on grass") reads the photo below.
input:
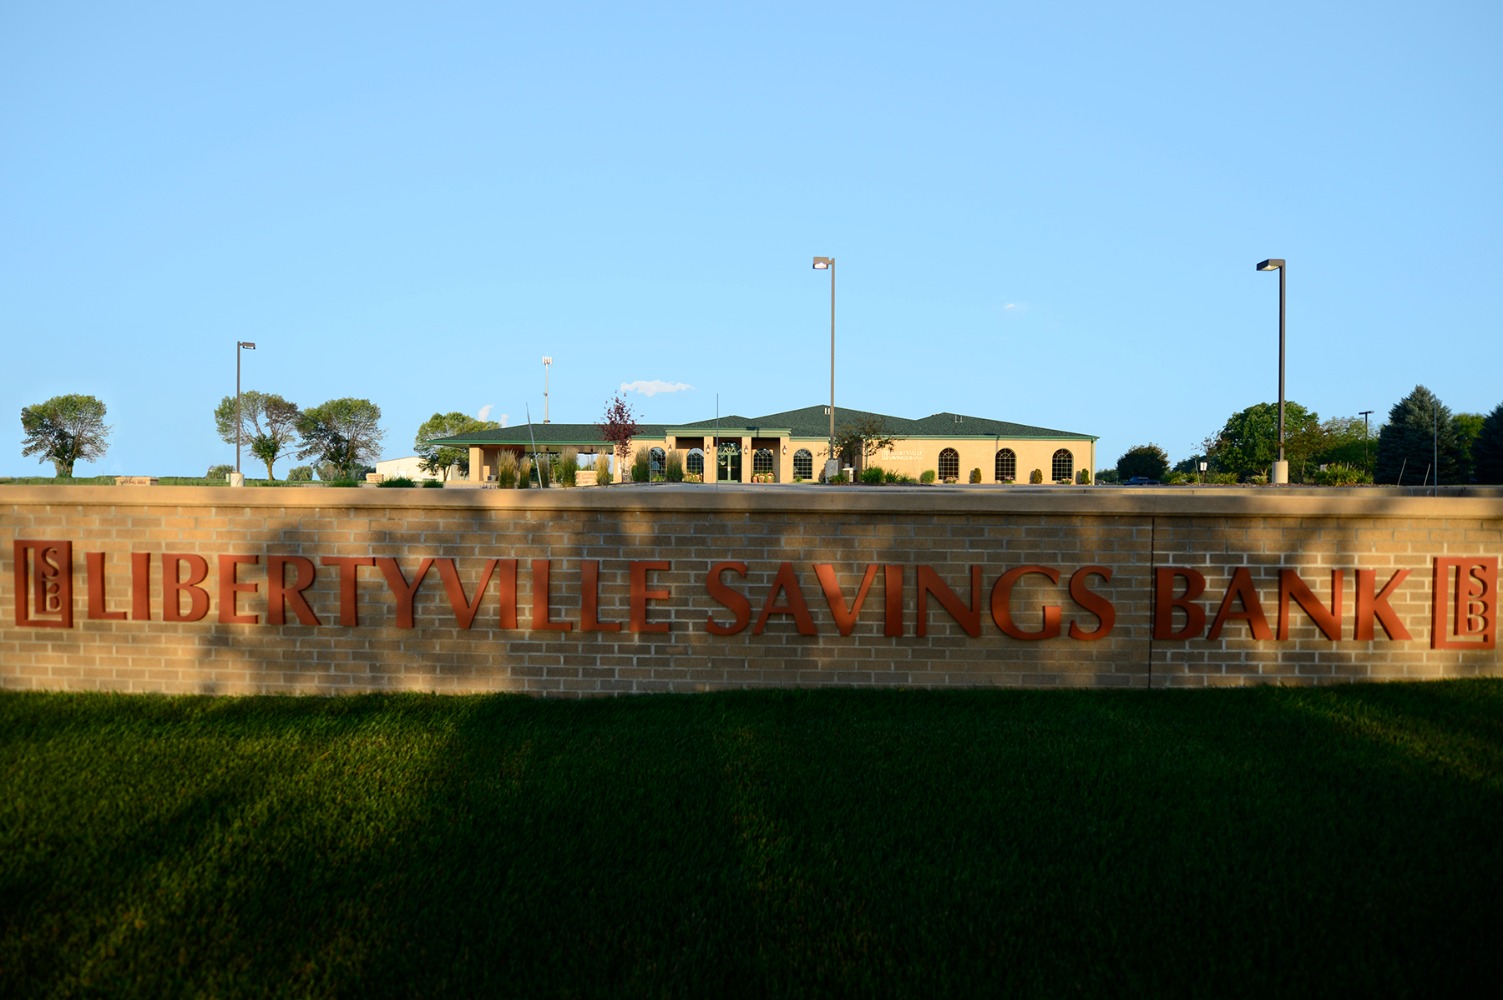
(770, 844)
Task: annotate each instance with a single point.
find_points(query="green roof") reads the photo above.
(808, 422)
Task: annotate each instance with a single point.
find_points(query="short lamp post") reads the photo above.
(1280, 466)
(240, 345)
(832, 466)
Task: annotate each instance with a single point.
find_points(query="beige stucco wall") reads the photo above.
(911, 457)
(687, 588)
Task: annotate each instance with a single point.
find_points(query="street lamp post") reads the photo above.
(832, 466)
(240, 345)
(1280, 467)
(1366, 467)
(547, 362)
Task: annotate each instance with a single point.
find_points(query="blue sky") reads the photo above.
(1045, 213)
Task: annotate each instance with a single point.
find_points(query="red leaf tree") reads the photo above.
(618, 427)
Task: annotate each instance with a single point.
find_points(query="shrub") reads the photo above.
(873, 475)
(975, 475)
(1342, 475)
(300, 474)
(602, 469)
(567, 471)
(524, 473)
(928, 476)
(1083, 477)
(400, 482)
(342, 483)
(693, 477)
(641, 466)
(673, 468)
(433, 484)
(219, 472)
(506, 471)
(1036, 477)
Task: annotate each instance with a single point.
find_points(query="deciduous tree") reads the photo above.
(1146, 460)
(65, 430)
(345, 433)
(268, 424)
(865, 437)
(619, 426)
(438, 459)
(1248, 444)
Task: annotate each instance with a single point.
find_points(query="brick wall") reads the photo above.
(693, 588)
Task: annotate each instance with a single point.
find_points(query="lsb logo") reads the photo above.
(1465, 607)
(44, 584)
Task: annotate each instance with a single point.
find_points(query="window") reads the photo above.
(1007, 466)
(1064, 466)
(949, 465)
(656, 459)
(762, 462)
(803, 464)
(695, 463)
(728, 462)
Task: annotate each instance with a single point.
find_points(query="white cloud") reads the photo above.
(651, 387)
(485, 412)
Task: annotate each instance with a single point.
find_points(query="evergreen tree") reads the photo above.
(1487, 450)
(1419, 432)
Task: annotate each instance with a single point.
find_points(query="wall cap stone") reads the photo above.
(1381, 502)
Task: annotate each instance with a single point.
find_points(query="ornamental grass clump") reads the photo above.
(602, 469)
(506, 471)
(641, 466)
(567, 471)
(673, 467)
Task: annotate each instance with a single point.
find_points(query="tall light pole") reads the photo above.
(547, 362)
(1365, 414)
(828, 264)
(1280, 467)
(240, 345)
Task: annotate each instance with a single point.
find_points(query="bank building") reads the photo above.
(792, 446)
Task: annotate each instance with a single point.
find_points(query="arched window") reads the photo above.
(762, 461)
(1064, 466)
(803, 464)
(656, 459)
(949, 465)
(1007, 466)
(695, 463)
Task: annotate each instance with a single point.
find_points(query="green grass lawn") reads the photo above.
(1244, 842)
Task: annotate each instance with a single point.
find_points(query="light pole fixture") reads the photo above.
(828, 264)
(1280, 467)
(240, 345)
(547, 362)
